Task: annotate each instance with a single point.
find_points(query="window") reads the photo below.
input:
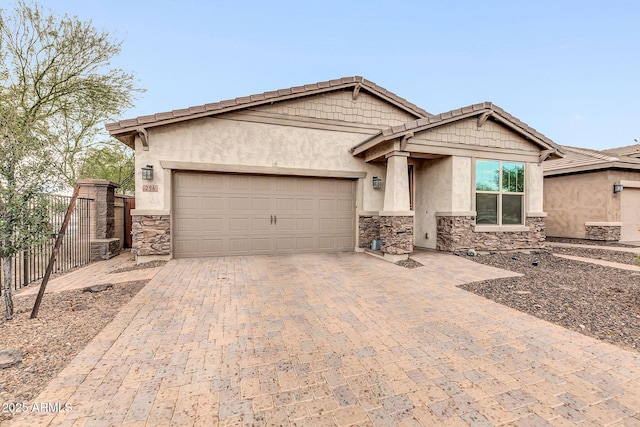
(499, 192)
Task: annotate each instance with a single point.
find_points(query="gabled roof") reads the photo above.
(121, 128)
(586, 160)
(484, 109)
(627, 150)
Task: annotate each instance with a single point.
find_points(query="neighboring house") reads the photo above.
(332, 166)
(580, 197)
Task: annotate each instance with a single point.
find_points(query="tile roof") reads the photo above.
(584, 160)
(459, 114)
(628, 150)
(159, 119)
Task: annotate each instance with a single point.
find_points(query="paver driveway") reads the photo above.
(337, 339)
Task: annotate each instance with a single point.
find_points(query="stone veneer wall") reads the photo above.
(368, 230)
(396, 234)
(603, 232)
(455, 233)
(151, 235)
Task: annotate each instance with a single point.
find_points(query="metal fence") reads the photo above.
(30, 265)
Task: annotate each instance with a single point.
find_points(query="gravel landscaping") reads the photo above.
(604, 254)
(588, 242)
(66, 322)
(597, 301)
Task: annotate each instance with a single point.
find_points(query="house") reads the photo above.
(333, 166)
(594, 195)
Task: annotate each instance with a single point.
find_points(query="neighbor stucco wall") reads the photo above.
(220, 141)
(572, 200)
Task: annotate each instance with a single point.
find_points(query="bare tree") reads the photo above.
(57, 86)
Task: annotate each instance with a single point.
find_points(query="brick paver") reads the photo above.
(337, 339)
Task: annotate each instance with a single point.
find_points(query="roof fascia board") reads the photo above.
(114, 129)
(527, 135)
(592, 168)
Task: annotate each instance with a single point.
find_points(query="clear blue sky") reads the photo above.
(569, 68)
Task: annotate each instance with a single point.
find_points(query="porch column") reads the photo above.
(396, 218)
(396, 190)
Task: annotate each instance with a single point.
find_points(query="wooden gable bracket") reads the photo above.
(483, 118)
(405, 140)
(144, 137)
(544, 155)
(356, 91)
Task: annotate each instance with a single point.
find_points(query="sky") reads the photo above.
(568, 68)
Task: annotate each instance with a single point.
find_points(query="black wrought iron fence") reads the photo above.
(30, 265)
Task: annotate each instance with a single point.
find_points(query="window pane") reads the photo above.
(487, 208)
(513, 177)
(487, 175)
(511, 209)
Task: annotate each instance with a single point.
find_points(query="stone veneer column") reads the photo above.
(102, 222)
(396, 234)
(151, 236)
(606, 231)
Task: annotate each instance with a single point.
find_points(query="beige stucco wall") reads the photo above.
(572, 200)
(231, 142)
(447, 185)
(432, 194)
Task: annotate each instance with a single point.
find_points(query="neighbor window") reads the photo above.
(499, 192)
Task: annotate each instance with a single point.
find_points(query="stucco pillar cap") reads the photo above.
(97, 183)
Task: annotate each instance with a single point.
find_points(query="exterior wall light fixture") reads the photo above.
(377, 183)
(147, 173)
(617, 188)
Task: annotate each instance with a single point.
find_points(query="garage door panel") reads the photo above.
(260, 203)
(305, 243)
(345, 224)
(187, 224)
(304, 204)
(190, 202)
(304, 224)
(212, 203)
(241, 183)
(344, 243)
(286, 204)
(327, 186)
(239, 203)
(327, 243)
(239, 224)
(211, 224)
(327, 224)
(287, 244)
(287, 185)
(285, 224)
(228, 214)
(630, 214)
(213, 246)
(260, 224)
(344, 205)
(326, 204)
(260, 244)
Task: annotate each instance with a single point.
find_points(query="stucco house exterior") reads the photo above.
(333, 166)
(595, 195)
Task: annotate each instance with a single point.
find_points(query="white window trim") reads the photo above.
(499, 226)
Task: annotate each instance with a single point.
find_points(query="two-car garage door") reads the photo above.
(217, 214)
